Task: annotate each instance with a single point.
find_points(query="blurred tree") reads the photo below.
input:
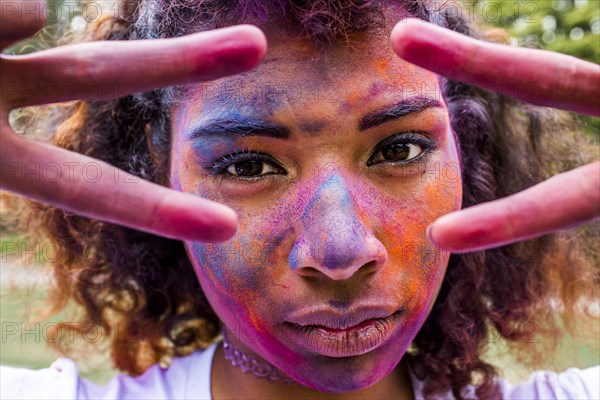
(567, 26)
(63, 18)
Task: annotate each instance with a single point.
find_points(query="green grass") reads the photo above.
(9, 243)
(569, 353)
(27, 346)
(16, 247)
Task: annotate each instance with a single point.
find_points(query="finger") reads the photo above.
(98, 190)
(561, 202)
(537, 76)
(109, 69)
(20, 19)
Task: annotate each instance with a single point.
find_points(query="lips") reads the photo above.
(334, 320)
(329, 333)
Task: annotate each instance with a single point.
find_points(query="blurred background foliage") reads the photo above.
(63, 17)
(567, 26)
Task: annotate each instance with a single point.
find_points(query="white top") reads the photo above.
(189, 378)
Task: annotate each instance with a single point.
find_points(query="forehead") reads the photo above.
(295, 79)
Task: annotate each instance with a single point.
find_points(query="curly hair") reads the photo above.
(147, 284)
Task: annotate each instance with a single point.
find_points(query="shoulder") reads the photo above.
(59, 381)
(62, 381)
(573, 383)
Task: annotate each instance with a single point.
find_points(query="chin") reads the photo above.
(347, 374)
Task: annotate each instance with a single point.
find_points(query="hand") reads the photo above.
(537, 76)
(104, 70)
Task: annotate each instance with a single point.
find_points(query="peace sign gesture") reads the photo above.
(537, 76)
(105, 70)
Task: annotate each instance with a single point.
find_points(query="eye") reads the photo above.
(401, 149)
(400, 152)
(250, 168)
(248, 165)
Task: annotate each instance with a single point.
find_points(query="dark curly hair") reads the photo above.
(147, 284)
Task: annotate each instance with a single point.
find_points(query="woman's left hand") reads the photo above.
(103, 70)
(536, 76)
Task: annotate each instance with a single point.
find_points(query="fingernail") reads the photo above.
(230, 53)
(428, 234)
(238, 58)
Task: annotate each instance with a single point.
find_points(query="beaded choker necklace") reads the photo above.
(260, 369)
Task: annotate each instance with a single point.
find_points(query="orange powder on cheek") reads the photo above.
(410, 254)
(404, 240)
(444, 196)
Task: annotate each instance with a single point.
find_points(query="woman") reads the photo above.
(336, 156)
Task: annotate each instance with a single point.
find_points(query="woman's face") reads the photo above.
(335, 164)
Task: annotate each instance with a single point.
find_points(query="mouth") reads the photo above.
(347, 341)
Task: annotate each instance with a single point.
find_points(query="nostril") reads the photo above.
(370, 268)
(308, 272)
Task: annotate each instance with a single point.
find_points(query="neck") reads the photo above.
(250, 386)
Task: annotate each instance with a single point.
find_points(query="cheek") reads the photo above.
(238, 275)
(415, 266)
(227, 282)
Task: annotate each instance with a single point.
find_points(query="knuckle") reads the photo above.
(80, 69)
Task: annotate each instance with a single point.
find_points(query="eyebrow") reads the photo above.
(246, 126)
(241, 127)
(398, 110)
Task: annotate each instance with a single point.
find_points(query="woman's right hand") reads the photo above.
(100, 71)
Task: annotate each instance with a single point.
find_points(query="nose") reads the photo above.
(332, 241)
